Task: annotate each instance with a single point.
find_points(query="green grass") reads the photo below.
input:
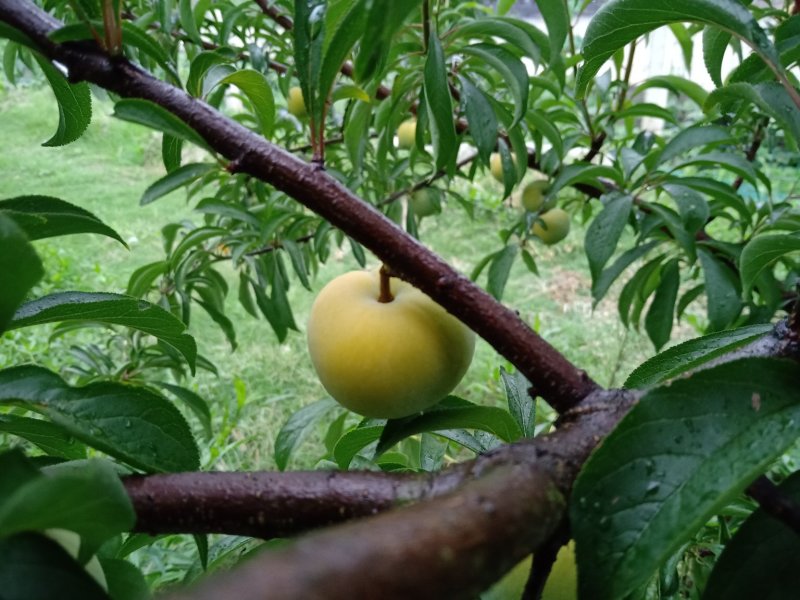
(106, 172)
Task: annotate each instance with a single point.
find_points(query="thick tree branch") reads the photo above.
(452, 547)
(775, 503)
(556, 379)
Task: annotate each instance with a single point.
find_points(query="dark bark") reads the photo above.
(775, 503)
(556, 379)
(451, 547)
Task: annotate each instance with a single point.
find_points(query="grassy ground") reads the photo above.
(110, 166)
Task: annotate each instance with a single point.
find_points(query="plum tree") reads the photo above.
(693, 221)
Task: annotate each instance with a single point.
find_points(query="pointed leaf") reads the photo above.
(131, 424)
(681, 454)
(112, 309)
(74, 105)
(604, 232)
(763, 250)
(44, 216)
(20, 269)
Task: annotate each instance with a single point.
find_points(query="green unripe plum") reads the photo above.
(533, 195)
(425, 202)
(295, 103)
(407, 133)
(385, 359)
(552, 227)
(561, 584)
(71, 542)
(496, 165)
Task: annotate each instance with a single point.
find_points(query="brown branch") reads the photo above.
(265, 504)
(750, 155)
(558, 381)
(775, 503)
(445, 548)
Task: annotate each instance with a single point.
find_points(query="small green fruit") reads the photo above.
(552, 227)
(533, 195)
(295, 103)
(496, 165)
(407, 134)
(425, 202)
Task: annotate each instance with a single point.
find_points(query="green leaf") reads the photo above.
(440, 106)
(731, 162)
(556, 16)
(605, 35)
(201, 65)
(481, 119)
(297, 427)
(344, 25)
(582, 173)
(504, 29)
(384, 21)
(692, 138)
(761, 251)
(74, 105)
(681, 454)
(601, 285)
(188, 23)
(721, 290)
(690, 355)
(131, 424)
(193, 402)
(141, 280)
(510, 68)
(44, 216)
(111, 309)
(715, 43)
(645, 109)
(86, 497)
(20, 268)
(500, 269)
(139, 39)
(604, 232)
(761, 559)
(34, 566)
(171, 150)
(254, 85)
(149, 114)
(658, 322)
(50, 438)
(692, 206)
(451, 413)
(770, 97)
(355, 440)
(125, 582)
(520, 404)
(676, 85)
(178, 178)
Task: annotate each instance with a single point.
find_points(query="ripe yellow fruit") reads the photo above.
(496, 165)
(561, 584)
(407, 133)
(71, 542)
(425, 202)
(385, 359)
(533, 195)
(295, 102)
(552, 227)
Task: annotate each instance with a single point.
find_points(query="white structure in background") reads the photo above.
(659, 53)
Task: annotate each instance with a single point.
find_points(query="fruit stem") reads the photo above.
(385, 295)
